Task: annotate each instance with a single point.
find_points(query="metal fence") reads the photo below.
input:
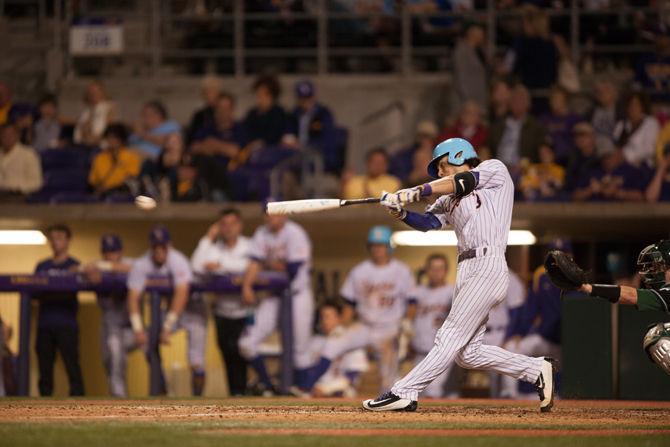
(320, 37)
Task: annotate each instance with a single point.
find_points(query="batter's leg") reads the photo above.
(532, 344)
(477, 355)
(436, 388)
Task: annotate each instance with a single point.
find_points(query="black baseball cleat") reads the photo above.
(390, 402)
(545, 385)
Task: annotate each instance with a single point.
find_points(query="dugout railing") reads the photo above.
(157, 288)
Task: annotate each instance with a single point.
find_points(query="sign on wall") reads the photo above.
(96, 39)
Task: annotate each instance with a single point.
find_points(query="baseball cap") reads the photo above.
(159, 235)
(110, 242)
(304, 89)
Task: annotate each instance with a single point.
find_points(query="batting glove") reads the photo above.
(392, 205)
(411, 195)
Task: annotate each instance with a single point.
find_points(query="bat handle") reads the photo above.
(359, 201)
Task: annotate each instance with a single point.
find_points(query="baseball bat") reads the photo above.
(312, 205)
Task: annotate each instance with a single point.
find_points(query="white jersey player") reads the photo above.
(116, 335)
(344, 373)
(433, 302)
(379, 290)
(476, 199)
(183, 313)
(280, 245)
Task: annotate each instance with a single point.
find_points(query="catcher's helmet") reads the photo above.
(652, 263)
(656, 344)
(457, 150)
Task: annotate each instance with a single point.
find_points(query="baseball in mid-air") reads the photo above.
(145, 203)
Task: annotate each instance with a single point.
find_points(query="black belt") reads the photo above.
(469, 254)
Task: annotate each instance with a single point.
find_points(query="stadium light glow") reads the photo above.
(448, 238)
(22, 237)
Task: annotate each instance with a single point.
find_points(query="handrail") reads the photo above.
(157, 286)
(306, 158)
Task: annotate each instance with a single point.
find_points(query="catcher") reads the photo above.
(653, 265)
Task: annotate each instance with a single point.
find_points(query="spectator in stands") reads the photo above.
(186, 185)
(651, 70)
(543, 181)
(204, 118)
(636, 134)
(605, 115)
(153, 130)
(584, 159)
(534, 56)
(663, 141)
(559, 122)
(47, 127)
(216, 144)
(265, 123)
(5, 102)
(659, 186)
(57, 327)
(375, 180)
(501, 91)
(22, 117)
(115, 165)
(517, 136)
(20, 169)
(225, 251)
(470, 69)
(469, 126)
(409, 165)
(614, 180)
(95, 117)
(310, 122)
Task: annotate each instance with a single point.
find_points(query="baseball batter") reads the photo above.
(280, 245)
(433, 302)
(183, 313)
(379, 290)
(476, 198)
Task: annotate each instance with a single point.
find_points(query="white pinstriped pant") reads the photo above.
(481, 283)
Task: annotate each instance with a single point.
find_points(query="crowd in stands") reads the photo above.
(563, 135)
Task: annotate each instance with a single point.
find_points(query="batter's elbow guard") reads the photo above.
(464, 183)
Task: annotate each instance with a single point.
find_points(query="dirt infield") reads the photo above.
(287, 417)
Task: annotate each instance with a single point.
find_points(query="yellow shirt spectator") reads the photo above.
(663, 140)
(111, 171)
(361, 186)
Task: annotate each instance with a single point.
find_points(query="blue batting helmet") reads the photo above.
(380, 234)
(456, 149)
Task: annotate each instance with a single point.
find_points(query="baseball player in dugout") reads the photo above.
(378, 291)
(476, 199)
(653, 265)
(183, 313)
(279, 245)
(116, 335)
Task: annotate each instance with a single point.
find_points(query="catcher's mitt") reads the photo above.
(563, 271)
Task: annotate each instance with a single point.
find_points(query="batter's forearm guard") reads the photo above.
(422, 222)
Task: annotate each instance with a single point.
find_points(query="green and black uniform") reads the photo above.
(651, 299)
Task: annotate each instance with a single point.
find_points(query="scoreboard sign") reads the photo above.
(96, 40)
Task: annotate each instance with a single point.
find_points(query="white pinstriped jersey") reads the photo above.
(290, 244)
(432, 307)
(483, 217)
(380, 293)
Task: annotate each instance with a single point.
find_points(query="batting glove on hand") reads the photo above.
(411, 195)
(392, 205)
